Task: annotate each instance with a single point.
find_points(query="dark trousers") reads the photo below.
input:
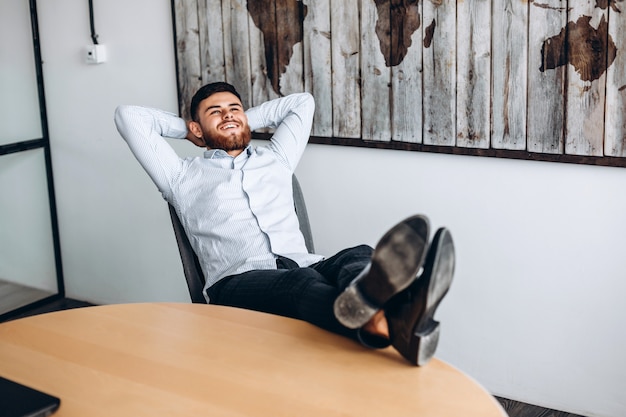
(302, 293)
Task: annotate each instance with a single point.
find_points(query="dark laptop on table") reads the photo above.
(17, 400)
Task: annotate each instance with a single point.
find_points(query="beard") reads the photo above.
(229, 142)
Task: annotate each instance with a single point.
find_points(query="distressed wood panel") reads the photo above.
(278, 53)
(345, 49)
(476, 76)
(439, 72)
(509, 28)
(473, 105)
(546, 78)
(264, 56)
(317, 64)
(406, 77)
(237, 48)
(210, 32)
(289, 17)
(292, 81)
(375, 75)
(587, 32)
(188, 50)
(261, 84)
(265, 60)
(615, 139)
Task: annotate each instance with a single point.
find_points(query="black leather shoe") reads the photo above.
(396, 261)
(412, 329)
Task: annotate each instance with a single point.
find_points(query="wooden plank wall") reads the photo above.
(536, 78)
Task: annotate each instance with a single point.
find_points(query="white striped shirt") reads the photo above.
(238, 212)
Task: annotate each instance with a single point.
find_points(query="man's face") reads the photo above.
(222, 123)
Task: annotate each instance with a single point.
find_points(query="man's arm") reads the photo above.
(292, 116)
(144, 130)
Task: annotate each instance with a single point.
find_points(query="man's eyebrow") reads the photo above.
(217, 106)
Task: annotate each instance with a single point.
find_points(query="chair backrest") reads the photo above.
(191, 264)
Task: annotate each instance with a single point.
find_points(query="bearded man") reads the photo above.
(236, 206)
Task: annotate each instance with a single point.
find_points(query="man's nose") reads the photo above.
(228, 114)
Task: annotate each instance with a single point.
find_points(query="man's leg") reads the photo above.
(341, 269)
(300, 293)
(303, 293)
(311, 294)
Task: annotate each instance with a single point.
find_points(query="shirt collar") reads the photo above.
(220, 153)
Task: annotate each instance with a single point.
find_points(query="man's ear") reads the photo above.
(194, 134)
(195, 129)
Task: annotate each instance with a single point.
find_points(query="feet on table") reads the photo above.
(412, 328)
(396, 261)
(391, 283)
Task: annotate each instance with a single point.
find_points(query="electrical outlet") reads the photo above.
(96, 54)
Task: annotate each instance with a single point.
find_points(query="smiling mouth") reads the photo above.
(228, 126)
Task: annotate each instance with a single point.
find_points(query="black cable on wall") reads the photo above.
(94, 36)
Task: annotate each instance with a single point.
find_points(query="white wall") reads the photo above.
(116, 244)
(535, 312)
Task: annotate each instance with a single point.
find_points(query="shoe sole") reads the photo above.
(426, 332)
(397, 259)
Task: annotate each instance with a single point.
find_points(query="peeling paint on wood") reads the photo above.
(396, 23)
(429, 33)
(589, 50)
(586, 82)
(281, 25)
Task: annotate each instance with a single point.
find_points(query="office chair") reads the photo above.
(191, 264)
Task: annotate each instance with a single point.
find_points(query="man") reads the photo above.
(236, 205)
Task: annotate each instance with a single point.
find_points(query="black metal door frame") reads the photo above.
(41, 143)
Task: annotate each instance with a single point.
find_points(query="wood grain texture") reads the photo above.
(407, 85)
(456, 150)
(192, 359)
(188, 52)
(262, 89)
(237, 48)
(615, 131)
(509, 61)
(345, 47)
(473, 104)
(546, 86)
(512, 407)
(586, 84)
(543, 77)
(375, 75)
(439, 72)
(210, 32)
(317, 64)
(289, 17)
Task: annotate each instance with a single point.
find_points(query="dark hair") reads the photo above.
(208, 90)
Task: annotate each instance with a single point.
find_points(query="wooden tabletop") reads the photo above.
(171, 359)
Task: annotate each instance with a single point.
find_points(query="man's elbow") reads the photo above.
(309, 100)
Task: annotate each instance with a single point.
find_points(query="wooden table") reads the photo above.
(193, 359)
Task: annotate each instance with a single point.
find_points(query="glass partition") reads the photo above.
(19, 104)
(30, 263)
(26, 245)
